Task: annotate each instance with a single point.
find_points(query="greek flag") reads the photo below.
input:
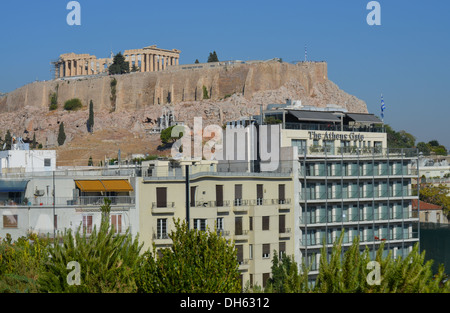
(382, 107)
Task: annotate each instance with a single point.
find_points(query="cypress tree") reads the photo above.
(90, 122)
(61, 134)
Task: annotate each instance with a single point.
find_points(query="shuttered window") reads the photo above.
(87, 224)
(281, 193)
(161, 197)
(238, 194)
(265, 222)
(266, 250)
(282, 248)
(219, 195)
(282, 223)
(259, 194)
(238, 225)
(192, 195)
(240, 253)
(116, 221)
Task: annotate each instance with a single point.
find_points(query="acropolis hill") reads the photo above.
(235, 89)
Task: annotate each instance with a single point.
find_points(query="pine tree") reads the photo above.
(119, 66)
(33, 143)
(90, 122)
(8, 139)
(61, 134)
(213, 57)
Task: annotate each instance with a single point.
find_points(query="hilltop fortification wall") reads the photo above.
(138, 90)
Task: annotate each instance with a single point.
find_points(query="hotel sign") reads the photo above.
(331, 136)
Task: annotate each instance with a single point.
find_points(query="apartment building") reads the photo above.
(255, 210)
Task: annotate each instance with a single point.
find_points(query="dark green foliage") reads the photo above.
(205, 93)
(213, 57)
(33, 142)
(90, 162)
(166, 135)
(424, 148)
(134, 68)
(400, 139)
(432, 146)
(108, 261)
(73, 104)
(53, 101)
(8, 139)
(196, 61)
(119, 66)
(198, 262)
(113, 96)
(347, 272)
(61, 134)
(90, 121)
(272, 120)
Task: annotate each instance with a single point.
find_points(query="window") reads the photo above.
(259, 194)
(87, 224)
(282, 249)
(265, 222)
(240, 254)
(238, 225)
(300, 144)
(266, 250)
(219, 222)
(250, 223)
(200, 224)
(238, 195)
(161, 228)
(10, 221)
(281, 194)
(161, 197)
(47, 162)
(192, 195)
(55, 221)
(219, 195)
(266, 277)
(116, 221)
(250, 251)
(282, 224)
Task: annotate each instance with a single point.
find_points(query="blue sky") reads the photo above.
(406, 58)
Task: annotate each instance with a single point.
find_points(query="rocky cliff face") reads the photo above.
(233, 91)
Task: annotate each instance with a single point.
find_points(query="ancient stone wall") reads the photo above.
(138, 90)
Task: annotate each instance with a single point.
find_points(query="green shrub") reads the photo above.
(73, 104)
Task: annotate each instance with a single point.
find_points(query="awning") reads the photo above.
(13, 185)
(121, 185)
(90, 185)
(110, 185)
(314, 116)
(364, 118)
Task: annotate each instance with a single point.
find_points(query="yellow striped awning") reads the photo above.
(111, 185)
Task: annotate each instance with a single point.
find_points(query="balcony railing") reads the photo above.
(69, 201)
(260, 201)
(336, 127)
(356, 194)
(310, 218)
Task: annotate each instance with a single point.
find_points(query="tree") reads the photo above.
(90, 121)
(205, 93)
(434, 143)
(347, 272)
(119, 65)
(108, 261)
(73, 104)
(90, 162)
(400, 139)
(213, 57)
(424, 148)
(61, 134)
(134, 68)
(196, 61)
(33, 142)
(166, 135)
(8, 139)
(436, 195)
(197, 262)
(53, 101)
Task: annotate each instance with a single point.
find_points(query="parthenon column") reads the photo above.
(143, 62)
(152, 62)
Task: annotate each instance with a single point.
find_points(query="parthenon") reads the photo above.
(147, 59)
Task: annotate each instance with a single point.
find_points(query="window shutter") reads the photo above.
(192, 195)
(238, 225)
(281, 193)
(265, 222)
(161, 197)
(282, 223)
(259, 191)
(240, 253)
(219, 195)
(266, 250)
(238, 191)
